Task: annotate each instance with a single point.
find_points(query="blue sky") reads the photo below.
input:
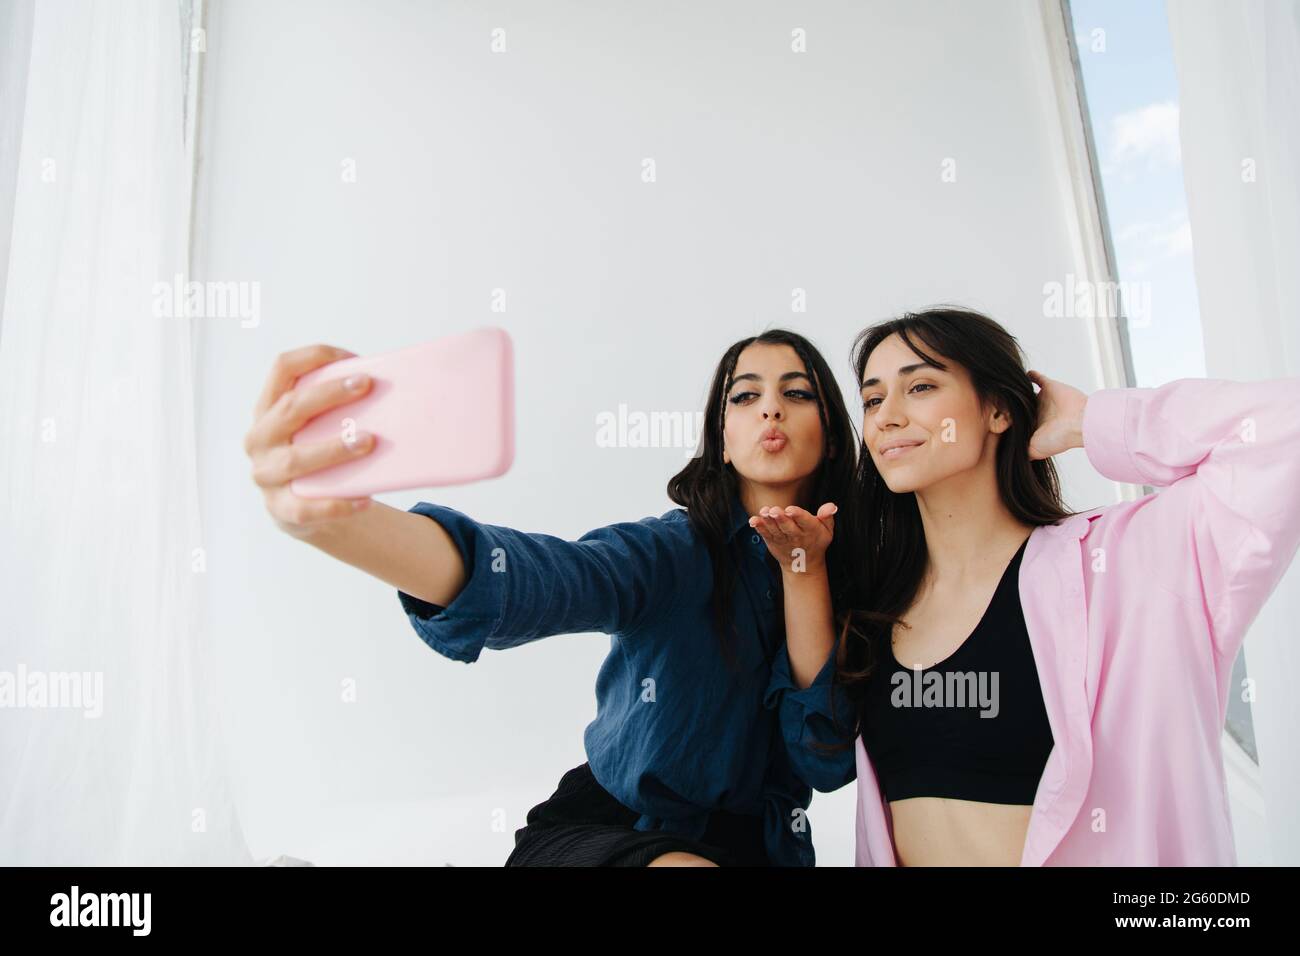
(1132, 91)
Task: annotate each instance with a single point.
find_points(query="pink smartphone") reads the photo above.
(442, 413)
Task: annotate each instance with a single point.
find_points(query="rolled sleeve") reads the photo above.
(521, 586)
(807, 717)
(461, 629)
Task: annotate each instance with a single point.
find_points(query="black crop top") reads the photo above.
(924, 729)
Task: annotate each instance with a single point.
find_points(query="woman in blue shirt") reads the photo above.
(708, 704)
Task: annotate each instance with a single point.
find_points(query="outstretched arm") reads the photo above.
(403, 549)
(521, 586)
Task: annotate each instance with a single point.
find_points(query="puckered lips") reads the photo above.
(773, 440)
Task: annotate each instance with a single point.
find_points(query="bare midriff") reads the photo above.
(937, 831)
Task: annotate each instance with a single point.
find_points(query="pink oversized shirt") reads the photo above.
(1135, 612)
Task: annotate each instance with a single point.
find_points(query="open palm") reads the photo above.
(797, 539)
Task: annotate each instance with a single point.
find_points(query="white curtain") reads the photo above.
(1238, 70)
(109, 744)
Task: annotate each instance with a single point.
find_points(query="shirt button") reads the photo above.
(769, 594)
(757, 539)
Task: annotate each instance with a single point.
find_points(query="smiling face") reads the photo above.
(772, 431)
(922, 424)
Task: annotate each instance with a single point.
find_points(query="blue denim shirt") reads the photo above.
(676, 734)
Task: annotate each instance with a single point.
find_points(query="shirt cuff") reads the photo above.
(1105, 436)
(462, 628)
(781, 686)
(806, 718)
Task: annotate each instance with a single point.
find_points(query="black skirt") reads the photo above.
(581, 824)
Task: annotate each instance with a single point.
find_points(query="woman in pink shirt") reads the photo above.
(1023, 684)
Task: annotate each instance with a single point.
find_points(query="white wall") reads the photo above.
(522, 171)
(16, 44)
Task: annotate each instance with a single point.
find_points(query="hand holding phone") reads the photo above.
(441, 413)
(280, 411)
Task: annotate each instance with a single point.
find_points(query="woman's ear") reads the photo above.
(726, 459)
(1000, 421)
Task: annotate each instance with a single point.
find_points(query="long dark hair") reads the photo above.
(888, 539)
(707, 485)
